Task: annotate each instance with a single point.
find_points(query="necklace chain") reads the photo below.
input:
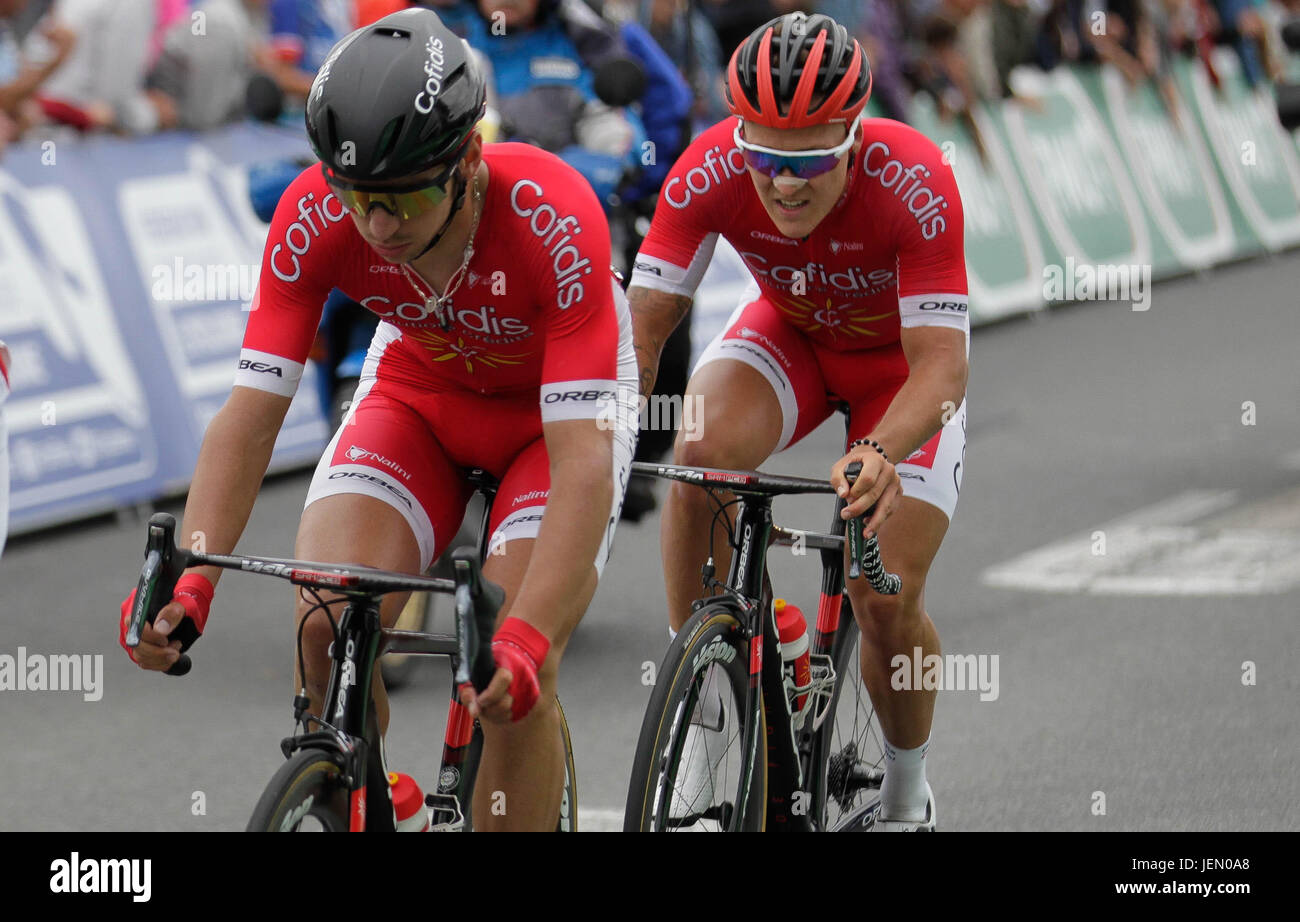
(433, 301)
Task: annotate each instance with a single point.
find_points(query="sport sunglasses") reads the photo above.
(804, 164)
(404, 202)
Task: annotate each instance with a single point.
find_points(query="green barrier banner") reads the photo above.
(1172, 169)
(1004, 255)
(1258, 161)
(1075, 175)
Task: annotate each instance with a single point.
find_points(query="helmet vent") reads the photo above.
(387, 142)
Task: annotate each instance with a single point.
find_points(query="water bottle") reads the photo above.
(793, 628)
(408, 803)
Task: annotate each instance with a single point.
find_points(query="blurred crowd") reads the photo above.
(135, 66)
(139, 66)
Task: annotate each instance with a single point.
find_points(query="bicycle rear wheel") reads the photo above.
(306, 794)
(851, 754)
(696, 767)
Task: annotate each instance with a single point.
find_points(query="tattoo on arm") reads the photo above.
(655, 314)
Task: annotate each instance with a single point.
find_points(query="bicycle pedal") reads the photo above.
(446, 815)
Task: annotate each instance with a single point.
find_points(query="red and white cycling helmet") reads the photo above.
(798, 70)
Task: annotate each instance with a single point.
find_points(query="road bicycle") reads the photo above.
(721, 748)
(334, 778)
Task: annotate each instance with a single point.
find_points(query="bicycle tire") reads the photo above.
(309, 785)
(662, 747)
(568, 820)
(849, 758)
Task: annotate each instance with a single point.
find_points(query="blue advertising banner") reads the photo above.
(127, 267)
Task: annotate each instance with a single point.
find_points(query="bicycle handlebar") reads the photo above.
(477, 603)
(163, 565)
(477, 600)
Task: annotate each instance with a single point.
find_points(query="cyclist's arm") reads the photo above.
(232, 462)
(935, 387)
(560, 579)
(237, 446)
(933, 310)
(655, 314)
(678, 247)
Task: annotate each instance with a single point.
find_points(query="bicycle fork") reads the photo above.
(349, 711)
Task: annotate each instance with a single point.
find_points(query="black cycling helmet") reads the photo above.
(798, 70)
(394, 98)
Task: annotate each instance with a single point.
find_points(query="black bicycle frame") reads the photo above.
(786, 800)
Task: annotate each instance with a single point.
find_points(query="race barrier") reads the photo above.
(129, 265)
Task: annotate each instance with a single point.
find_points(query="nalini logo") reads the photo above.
(849, 245)
(75, 874)
(356, 453)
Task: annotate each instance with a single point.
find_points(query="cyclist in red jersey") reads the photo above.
(504, 343)
(852, 229)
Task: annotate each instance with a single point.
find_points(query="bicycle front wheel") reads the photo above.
(307, 794)
(850, 761)
(568, 821)
(700, 765)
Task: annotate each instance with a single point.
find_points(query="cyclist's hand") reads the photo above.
(161, 644)
(519, 650)
(877, 484)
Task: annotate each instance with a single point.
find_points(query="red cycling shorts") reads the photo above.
(810, 381)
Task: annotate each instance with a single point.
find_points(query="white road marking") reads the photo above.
(1151, 551)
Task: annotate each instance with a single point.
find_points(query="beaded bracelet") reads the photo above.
(872, 443)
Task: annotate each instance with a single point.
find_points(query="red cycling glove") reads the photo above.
(521, 648)
(194, 592)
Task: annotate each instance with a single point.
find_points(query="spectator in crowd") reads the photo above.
(733, 20)
(543, 55)
(974, 21)
(1015, 24)
(1245, 29)
(879, 26)
(945, 73)
(22, 75)
(205, 63)
(168, 13)
(688, 37)
(102, 83)
(1060, 39)
(302, 32)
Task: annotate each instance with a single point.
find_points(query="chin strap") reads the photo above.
(461, 186)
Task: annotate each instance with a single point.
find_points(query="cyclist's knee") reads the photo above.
(884, 614)
(722, 445)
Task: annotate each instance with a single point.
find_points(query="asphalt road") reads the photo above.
(1172, 696)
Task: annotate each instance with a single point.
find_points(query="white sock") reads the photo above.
(903, 793)
(672, 635)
